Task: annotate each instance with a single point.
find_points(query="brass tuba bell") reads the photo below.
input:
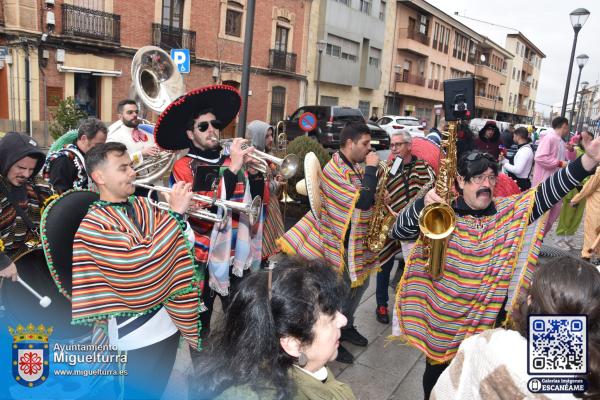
(156, 83)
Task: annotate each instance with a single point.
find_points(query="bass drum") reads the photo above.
(22, 307)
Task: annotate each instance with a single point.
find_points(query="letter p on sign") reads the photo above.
(181, 58)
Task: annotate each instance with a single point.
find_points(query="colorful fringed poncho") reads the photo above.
(489, 258)
(312, 239)
(123, 269)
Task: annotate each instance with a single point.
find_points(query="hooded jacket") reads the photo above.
(486, 145)
(257, 132)
(15, 146)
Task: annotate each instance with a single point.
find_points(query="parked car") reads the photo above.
(394, 123)
(330, 121)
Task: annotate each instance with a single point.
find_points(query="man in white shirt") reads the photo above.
(139, 143)
(520, 168)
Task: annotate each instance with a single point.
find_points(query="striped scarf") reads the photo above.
(488, 259)
(340, 188)
(122, 269)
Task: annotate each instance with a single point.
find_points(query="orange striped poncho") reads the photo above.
(489, 259)
(312, 239)
(122, 269)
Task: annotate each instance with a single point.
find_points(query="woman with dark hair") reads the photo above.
(483, 368)
(277, 338)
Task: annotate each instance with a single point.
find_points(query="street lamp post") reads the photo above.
(578, 18)
(582, 59)
(321, 44)
(584, 85)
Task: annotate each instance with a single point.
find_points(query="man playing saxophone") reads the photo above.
(347, 195)
(409, 177)
(489, 259)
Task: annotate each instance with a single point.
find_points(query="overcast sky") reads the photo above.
(547, 25)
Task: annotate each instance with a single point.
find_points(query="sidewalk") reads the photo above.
(383, 370)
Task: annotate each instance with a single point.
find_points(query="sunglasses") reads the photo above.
(203, 126)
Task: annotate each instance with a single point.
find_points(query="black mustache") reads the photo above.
(483, 190)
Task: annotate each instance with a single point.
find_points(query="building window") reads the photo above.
(277, 104)
(90, 4)
(329, 101)
(345, 2)
(436, 29)
(423, 24)
(342, 48)
(233, 19)
(514, 72)
(382, 6)
(281, 38)
(365, 6)
(518, 48)
(374, 57)
(364, 107)
(172, 12)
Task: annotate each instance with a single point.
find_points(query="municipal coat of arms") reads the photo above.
(30, 354)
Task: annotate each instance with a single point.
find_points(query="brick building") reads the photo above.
(83, 49)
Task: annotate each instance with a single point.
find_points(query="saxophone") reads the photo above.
(437, 220)
(382, 219)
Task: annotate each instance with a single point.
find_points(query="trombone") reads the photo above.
(287, 166)
(251, 210)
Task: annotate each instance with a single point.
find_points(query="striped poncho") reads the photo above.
(312, 239)
(123, 269)
(482, 269)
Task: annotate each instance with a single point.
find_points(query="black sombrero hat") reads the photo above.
(170, 130)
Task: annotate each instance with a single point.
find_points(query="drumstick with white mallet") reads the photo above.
(44, 300)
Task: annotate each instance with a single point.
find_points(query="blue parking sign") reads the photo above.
(181, 58)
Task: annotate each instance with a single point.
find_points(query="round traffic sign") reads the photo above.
(307, 121)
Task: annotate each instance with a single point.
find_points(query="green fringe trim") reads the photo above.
(44, 239)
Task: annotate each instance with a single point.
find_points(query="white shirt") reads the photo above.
(120, 133)
(522, 162)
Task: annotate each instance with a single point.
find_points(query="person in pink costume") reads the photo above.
(552, 154)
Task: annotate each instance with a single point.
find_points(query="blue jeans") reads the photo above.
(383, 281)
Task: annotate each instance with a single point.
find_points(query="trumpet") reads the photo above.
(287, 166)
(251, 210)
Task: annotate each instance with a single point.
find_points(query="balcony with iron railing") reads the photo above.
(411, 78)
(282, 60)
(86, 23)
(168, 37)
(418, 36)
(524, 88)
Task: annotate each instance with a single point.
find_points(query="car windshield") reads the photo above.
(408, 122)
(348, 115)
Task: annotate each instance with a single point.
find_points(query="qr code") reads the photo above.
(557, 344)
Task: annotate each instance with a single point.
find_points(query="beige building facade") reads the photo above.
(523, 76)
(430, 47)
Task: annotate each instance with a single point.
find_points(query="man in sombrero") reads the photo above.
(194, 122)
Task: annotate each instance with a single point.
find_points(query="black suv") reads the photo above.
(330, 121)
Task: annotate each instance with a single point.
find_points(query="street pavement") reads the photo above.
(384, 370)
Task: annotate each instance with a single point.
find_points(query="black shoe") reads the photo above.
(344, 356)
(351, 335)
(382, 314)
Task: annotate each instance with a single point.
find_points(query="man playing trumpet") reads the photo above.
(133, 272)
(194, 122)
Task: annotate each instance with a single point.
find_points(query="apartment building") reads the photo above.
(84, 48)
(430, 47)
(523, 78)
(354, 60)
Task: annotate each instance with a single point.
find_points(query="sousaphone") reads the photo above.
(156, 83)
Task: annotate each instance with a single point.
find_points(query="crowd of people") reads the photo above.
(147, 268)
